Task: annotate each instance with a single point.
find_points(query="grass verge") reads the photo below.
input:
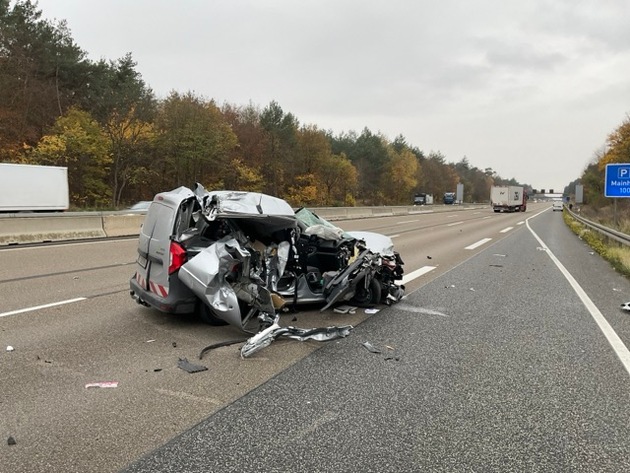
(616, 254)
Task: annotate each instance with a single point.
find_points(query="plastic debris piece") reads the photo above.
(186, 365)
(11, 440)
(371, 311)
(151, 341)
(625, 306)
(10, 348)
(472, 289)
(371, 348)
(345, 309)
(102, 384)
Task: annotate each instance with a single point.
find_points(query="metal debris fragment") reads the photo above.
(265, 337)
(371, 348)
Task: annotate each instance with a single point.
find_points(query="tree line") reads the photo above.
(615, 151)
(122, 144)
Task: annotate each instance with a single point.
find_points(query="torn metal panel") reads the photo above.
(264, 338)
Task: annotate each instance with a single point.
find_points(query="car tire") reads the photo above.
(367, 296)
(207, 316)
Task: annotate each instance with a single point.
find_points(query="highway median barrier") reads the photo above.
(18, 228)
(122, 225)
(38, 228)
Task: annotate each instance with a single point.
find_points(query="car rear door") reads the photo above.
(153, 249)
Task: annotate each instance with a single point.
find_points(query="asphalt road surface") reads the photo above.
(506, 355)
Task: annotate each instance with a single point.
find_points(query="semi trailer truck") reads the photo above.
(508, 198)
(33, 188)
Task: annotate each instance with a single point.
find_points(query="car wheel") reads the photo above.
(367, 296)
(207, 316)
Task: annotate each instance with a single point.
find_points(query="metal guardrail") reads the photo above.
(606, 231)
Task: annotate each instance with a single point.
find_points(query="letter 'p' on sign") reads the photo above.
(623, 173)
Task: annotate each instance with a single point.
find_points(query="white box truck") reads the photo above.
(508, 198)
(33, 188)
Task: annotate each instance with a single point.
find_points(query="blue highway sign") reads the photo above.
(617, 182)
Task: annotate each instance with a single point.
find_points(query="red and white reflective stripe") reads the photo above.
(158, 289)
(141, 281)
(155, 288)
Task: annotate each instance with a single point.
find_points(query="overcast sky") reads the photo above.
(529, 88)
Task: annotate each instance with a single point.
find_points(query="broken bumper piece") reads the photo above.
(264, 338)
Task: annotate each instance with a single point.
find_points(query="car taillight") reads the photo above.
(177, 257)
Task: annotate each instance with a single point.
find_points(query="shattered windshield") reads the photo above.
(309, 219)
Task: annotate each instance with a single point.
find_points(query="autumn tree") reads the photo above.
(339, 180)
(125, 109)
(439, 176)
(369, 156)
(399, 179)
(77, 142)
(195, 142)
(40, 67)
(280, 131)
(251, 137)
(618, 146)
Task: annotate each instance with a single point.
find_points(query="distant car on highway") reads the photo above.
(557, 206)
(140, 207)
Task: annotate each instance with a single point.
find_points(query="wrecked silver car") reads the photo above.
(241, 257)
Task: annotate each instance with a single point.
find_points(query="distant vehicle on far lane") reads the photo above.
(140, 207)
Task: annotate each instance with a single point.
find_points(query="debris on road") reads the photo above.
(186, 365)
(625, 306)
(371, 348)
(371, 311)
(11, 440)
(102, 384)
(10, 348)
(345, 309)
(264, 338)
(219, 345)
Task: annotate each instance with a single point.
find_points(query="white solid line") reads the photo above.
(505, 230)
(615, 342)
(406, 221)
(45, 306)
(417, 273)
(479, 243)
(395, 236)
(454, 223)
